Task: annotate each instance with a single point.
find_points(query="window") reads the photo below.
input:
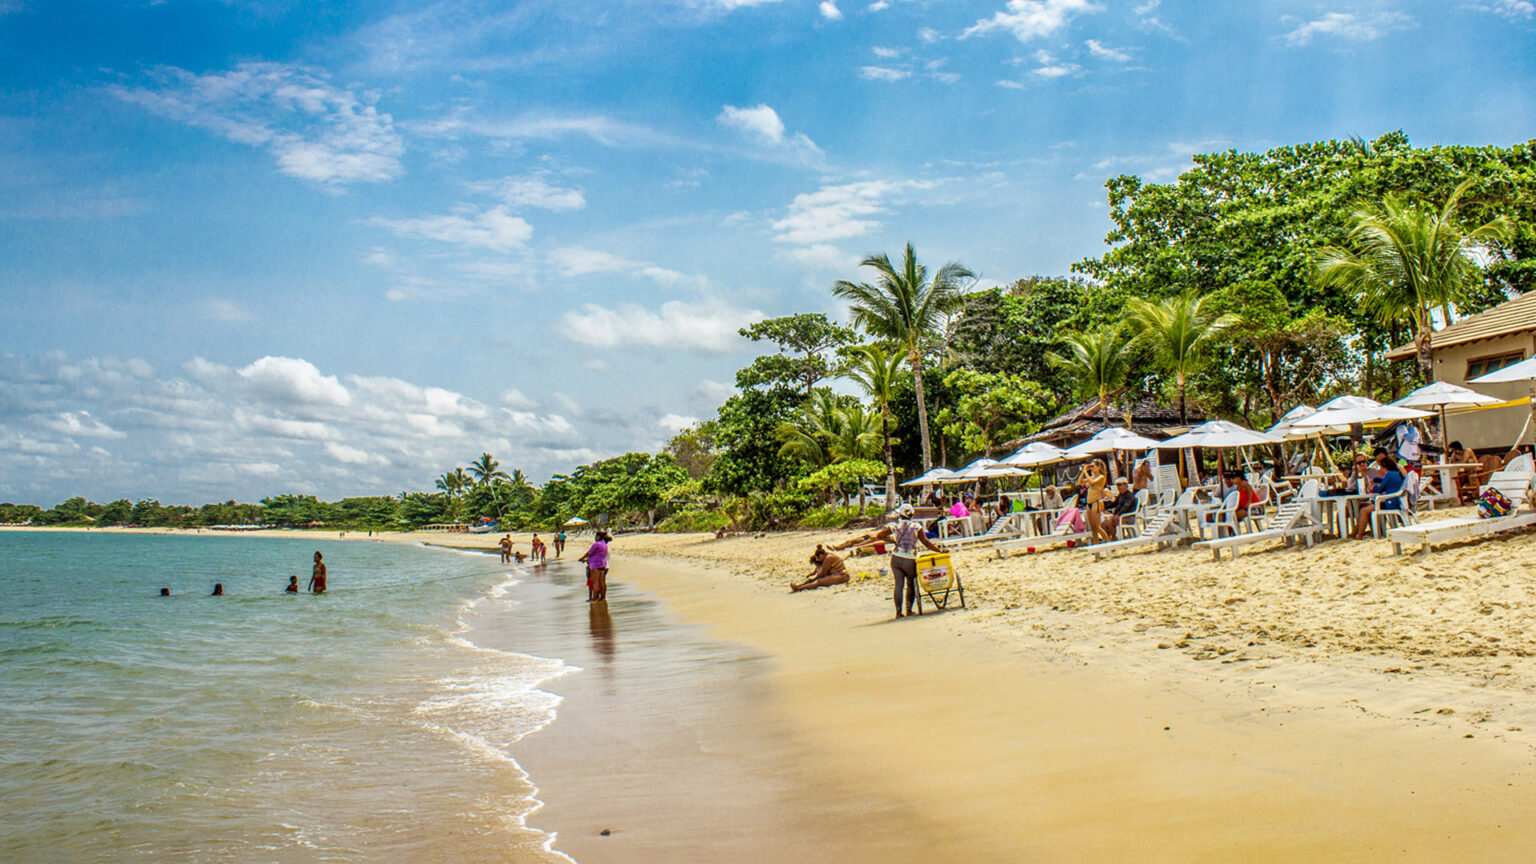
(1483, 365)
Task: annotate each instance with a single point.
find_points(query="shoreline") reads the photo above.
(1156, 706)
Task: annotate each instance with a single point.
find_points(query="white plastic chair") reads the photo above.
(1224, 516)
(1403, 514)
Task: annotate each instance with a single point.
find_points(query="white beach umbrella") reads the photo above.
(1112, 438)
(934, 477)
(1345, 411)
(1220, 434)
(976, 470)
(1525, 370)
(1286, 426)
(1440, 396)
(1034, 455)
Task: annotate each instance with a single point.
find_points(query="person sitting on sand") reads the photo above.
(1389, 483)
(1121, 507)
(317, 578)
(830, 570)
(293, 585)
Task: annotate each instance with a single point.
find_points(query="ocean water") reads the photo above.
(362, 725)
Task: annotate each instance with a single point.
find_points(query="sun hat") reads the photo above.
(904, 510)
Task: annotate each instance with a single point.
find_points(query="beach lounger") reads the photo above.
(1516, 486)
(1164, 529)
(1294, 520)
(1041, 542)
(1004, 528)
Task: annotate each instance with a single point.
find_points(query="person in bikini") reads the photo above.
(830, 570)
(317, 579)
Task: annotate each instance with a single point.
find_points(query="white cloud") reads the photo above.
(1033, 19)
(1512, 9)
(929, 35)
(1057, 70)
(1347, 25)
(575, 261)
(514, 398)
(709, 326)
(824, 256)
(879, 6)
(80, 424)
(762, 125)
(713, 391)
(882, 73)
(830, 11)
(275, 424)
(315, 130)
(534, 191)
(837, 212)
(887, 53)
(675, 423)
(1099, 50)
(226, 310)
(489, 229)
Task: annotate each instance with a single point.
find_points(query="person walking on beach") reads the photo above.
(905, 533)
(596, 559)
(536, 552)
(506, 549)
(317, 578)
(560, 543)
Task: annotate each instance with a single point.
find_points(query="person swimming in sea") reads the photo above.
(293, 585)
(317, 580)
(165, 592)
(218, 590)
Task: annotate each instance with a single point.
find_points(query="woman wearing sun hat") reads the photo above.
(904, 534)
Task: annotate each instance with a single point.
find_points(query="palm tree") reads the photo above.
(1176, 329)
(1409, 258)
(1098, 361)
(807, 435)
(875, 369)
(904, 306)
(486, 469)
(854, 434)
(454, 483)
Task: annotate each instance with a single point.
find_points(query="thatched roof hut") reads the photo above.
(1144, 417)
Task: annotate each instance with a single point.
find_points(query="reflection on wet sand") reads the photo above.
(601, 625)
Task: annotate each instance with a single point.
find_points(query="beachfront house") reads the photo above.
(1474, 346)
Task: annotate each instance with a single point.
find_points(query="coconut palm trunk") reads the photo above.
(916, 359)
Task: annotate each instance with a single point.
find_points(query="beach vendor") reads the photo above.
(830, 570)
(905, 533)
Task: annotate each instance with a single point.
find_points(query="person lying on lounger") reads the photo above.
(830, 570)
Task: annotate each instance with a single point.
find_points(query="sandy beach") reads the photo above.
(1328, 704)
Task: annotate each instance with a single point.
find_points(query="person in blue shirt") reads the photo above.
(1389, 483)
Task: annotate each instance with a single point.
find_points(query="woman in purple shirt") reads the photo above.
(596, 558)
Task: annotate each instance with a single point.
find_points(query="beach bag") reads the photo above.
(1492, 504)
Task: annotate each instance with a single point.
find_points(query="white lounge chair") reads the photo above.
(1514, 481)
(1004, 528)
(1164, 529)
(1296, 519)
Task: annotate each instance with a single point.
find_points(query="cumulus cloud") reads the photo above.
(675, 423)
(830, 11)
(1056, 70)
(1347, 25)
(838, 212)
(763, 126)
(314, 129)
(709, 327)
(494, 229)
(1515, 10)
(882, 73)
(1032, 19)
(106, 429)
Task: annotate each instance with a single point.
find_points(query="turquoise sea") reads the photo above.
(362, 725)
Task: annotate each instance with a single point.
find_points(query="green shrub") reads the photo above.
(693, 521)
(829, 517)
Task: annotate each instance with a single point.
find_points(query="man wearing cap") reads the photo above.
(1122, 507)
(904, 534)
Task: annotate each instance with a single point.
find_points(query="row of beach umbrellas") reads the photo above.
(1336, 416)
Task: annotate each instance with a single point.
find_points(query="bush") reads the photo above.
(830, 517)
(693, 521)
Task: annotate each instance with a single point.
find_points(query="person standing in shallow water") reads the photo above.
(317, 579)
(596, 559)
(293, 585)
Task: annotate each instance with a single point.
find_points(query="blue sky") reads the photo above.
(253, 247)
